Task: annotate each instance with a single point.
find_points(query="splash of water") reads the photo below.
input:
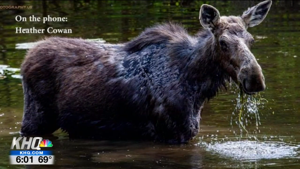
(252, 150)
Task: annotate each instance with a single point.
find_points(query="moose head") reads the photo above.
(233, 42)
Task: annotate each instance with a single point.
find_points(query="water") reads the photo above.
(272, 135)
(253, 150)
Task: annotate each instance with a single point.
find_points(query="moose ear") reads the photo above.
(209, 16)
(255, 15)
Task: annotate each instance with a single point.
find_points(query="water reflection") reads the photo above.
(276, 49)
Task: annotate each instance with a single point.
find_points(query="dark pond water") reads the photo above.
(273, 122)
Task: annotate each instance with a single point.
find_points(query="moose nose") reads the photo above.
(255, 83)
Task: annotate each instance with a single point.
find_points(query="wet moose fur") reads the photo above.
(152, 87)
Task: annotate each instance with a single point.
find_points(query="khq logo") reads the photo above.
(30, 143)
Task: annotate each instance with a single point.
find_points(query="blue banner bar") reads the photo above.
(30, 153)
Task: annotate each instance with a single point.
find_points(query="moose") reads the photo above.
(151, 88)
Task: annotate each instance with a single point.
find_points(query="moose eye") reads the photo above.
(223, 45)
(252, 41)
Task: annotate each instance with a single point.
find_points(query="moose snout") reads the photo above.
(255, 83)
(252, 79)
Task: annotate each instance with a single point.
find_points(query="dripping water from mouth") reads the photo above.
(246, 111)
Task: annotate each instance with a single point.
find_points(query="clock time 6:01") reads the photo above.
(26, 159)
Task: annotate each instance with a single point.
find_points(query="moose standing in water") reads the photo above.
(152, 87)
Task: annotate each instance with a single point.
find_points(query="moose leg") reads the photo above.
(40, 116)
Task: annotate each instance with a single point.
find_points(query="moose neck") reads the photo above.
(203, 69)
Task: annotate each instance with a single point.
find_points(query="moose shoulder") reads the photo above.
(152, 87)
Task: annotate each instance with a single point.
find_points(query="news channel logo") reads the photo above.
(27, 151)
